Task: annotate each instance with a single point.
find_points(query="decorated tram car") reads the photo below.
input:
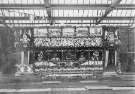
(68, 51)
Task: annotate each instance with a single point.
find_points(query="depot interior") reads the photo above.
(72, 37)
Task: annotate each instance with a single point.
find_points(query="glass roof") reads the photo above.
(64, 1)
(66, 13)
(82, 16)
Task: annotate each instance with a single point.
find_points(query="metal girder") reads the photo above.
(108, 10)
(23, 27)
(93, 18)
(48, 9)
(65, 6)
(70, 23)
(47, 6)
(71, 18)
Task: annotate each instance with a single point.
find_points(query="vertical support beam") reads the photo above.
(105, 61)
(48, 9)
(0, 42)
(116, 57)
(22, 57)
(28, 57)
(106, 57)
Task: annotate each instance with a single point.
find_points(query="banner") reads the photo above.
(82, 32)
(68, 32)
(40, 32)
(54, 32)
(95, 31)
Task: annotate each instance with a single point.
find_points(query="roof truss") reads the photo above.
(65, 6)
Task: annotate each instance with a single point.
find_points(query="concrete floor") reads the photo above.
(118, 84)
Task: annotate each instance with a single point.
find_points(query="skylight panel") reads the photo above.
(71, 13)
(94, 12)
(7, 21)
(100, 12)
(86, 1)
(42, 1)
(110, 14)
(128, 12)
(124, 13)
(5, 13)
(133, 13)
(20, 1)
(60, 13)
(25, 12)
(85, 13)
(79, 21)
(109, 1)
(31, 11)
(41, 12)
(111, 21)
(128, 2)
(74, 1)
(123, 2)
(61, 1)
(65, 13)
(5, 1)
(90, 13)
(13, 14)
(133, 1)
(75, 13)
(92, 1)
(16, 21)
(80, 12)
(35, 2)
(11, 2)
(119, 12)
(55, 13)
(99, 1)
(67, 2)
(133, 26)
(104, 21)
(54, 1)
(38, 12)
(117, 21)
(122, 21)
(67, 21)
(29, 1)
(104, 1)
(114, 12)
(80, 1)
